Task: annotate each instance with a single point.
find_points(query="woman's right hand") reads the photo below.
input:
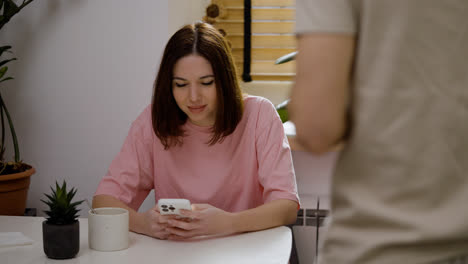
(149, 223)
(154, 224)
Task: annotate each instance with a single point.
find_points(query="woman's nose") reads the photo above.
(194, 93)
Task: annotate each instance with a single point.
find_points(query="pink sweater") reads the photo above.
(252, 166)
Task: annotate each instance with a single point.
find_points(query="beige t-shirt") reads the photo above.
(400, 189)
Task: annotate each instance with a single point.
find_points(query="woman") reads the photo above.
(202, 140)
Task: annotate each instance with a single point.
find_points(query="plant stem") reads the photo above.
(12, 130)
(10, 9)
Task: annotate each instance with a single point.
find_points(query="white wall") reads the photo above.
(85, 70)
(184, 12)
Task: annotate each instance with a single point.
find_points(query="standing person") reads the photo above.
(201, 139)
(390, 78)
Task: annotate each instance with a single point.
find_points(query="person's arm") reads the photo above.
(149, 223)
(135, 219)
(130, 178)
(272, 214)
(319, 98)
(209, 220)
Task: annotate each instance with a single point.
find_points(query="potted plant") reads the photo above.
(61, 230)
(14, 175)
(282, 109)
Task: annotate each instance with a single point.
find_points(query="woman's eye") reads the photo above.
(180, 84)
(208, 83)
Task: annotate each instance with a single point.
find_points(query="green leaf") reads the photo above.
(51, 198)
(53, 191)
(76, 203)
(71, 194)
(58, 190)
(283, 110)
(288, 57)
(3, 70)
(4, 48)
(6, 79)
(46, 202)
(3, 62)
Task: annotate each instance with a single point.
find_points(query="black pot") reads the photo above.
(61, 241)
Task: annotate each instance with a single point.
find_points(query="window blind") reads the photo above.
(272, 35)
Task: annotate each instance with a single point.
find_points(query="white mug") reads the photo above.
(108, 229)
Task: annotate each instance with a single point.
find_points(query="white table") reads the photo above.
(267, 246)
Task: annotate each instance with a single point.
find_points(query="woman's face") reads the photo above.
(194, 89)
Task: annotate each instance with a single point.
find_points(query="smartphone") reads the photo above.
(172, 206)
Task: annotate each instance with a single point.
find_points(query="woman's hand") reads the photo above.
(149, 223)
(205, 219)
(154, 224)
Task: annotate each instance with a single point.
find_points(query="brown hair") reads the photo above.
(204, 40)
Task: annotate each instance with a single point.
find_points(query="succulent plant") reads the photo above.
(61, 209)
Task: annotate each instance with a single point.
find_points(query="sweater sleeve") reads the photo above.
(275, 167)
(130, 175)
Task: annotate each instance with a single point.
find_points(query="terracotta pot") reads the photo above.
(14, 192)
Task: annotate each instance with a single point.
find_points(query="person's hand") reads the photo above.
(154, 224)
(204, 219)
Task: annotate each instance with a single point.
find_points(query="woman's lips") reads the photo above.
(196, 109)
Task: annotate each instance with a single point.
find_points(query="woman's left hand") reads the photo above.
(204, 219)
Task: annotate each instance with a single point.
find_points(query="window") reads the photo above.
(273, 23)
